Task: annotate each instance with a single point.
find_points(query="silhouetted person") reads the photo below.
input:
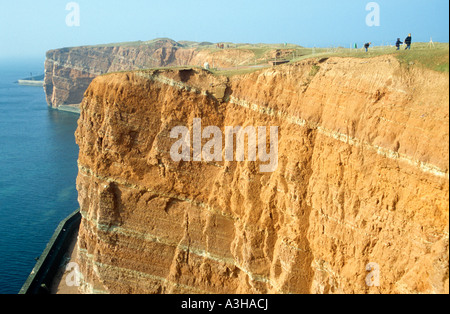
(398, 43)
(408, 41)
(366, 46)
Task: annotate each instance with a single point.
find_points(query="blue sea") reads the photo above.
(38, 169)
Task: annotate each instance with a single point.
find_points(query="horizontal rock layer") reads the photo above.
(362, 178)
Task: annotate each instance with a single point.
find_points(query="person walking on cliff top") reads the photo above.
(366, 46)
(408, 41)
(398, 43)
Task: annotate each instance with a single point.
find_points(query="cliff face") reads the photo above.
(69, 71)
(362, 178)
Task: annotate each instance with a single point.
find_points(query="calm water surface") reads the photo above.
(38, 170)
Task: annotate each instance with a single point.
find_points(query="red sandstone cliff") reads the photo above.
(69, 71)
(362, 178)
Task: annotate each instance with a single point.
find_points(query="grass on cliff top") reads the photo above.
(421, 54)
(238, 71)
(436, 59)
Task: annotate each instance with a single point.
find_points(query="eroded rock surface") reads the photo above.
(362, 178)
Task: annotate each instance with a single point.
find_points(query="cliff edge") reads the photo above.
(362, 179)
(69, 71)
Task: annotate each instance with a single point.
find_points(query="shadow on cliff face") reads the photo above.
(110, 204)
(185, 75)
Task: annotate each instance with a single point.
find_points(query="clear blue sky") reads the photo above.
(28, 28)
